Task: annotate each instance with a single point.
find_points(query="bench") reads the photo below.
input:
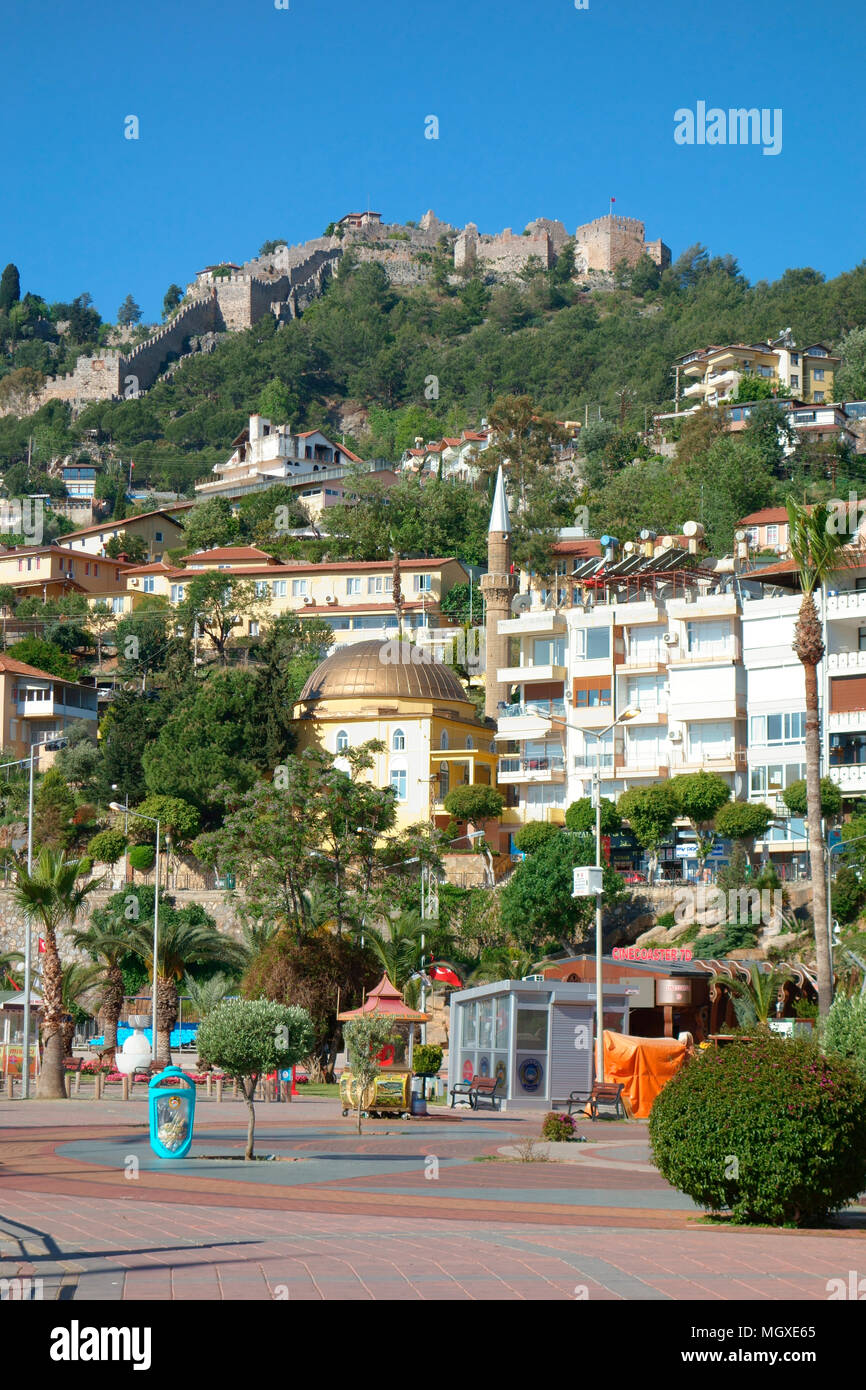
(479, 1088)
(602, 1093)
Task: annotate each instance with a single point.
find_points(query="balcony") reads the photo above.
(850, 777)
(839, 662)
(697, 388)
(848, 721)
(851, 604)
(648, 658)
(704, 653)
(530, 719)
(536, 620)
(517, 769)
(517, 675)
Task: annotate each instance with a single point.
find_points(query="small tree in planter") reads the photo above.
(249, 1037)
(365, 1038)
(427, 1060)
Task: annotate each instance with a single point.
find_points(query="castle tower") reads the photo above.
(498, 585)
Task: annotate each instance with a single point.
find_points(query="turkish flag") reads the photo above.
(42, 945)
(446, 975)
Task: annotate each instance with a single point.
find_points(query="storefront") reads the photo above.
(536, 1036)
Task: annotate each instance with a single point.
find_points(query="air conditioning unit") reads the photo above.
(670, 639)
(675, 737)
(330, 599)
(308, 599)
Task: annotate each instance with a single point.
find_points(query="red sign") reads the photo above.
(605, 845)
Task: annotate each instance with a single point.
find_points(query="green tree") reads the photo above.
(275, 402)
(128, 313)
(214, 602)
(53, 809)
(44, 656)
(534, 836)
(850, 380)
(365, 1039)
(746, 821)
(108, 950)
(795, 797)
(210, 523)
(700, 796)
(815, 550)
(178, 818)
(171, 299)
(248, 1038)
(132, 546)
(474, 803)
(580, 816)
(10, 288)
(537, 901)
(290, 652)
(79, 762)
(107, 846)
(50, 898)
(650, 812)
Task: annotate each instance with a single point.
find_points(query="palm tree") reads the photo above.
(399, 950)
(204, 995)
(181, 943)
(108, 948)
(503, 963)
(815, 546)
(755, 998)
(50, 897)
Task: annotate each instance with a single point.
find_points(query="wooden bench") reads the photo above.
(602, 1093)
(479, 1088)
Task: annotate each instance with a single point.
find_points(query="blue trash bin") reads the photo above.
(172, 1113)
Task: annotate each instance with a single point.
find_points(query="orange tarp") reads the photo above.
(642, 1065)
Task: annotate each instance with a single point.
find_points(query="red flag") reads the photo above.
(446, 975)
(42, 945)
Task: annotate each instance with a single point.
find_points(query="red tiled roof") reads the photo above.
(783, 567)
(360, 607)
(764, 516)
(238, 553)
(587, 546)
(155, 567)
(18, 668)
(114, 525)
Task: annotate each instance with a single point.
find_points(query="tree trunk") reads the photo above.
(112, 1007)
(52, 1078)
(816, 841)
(249, 1084)
(166, 1018)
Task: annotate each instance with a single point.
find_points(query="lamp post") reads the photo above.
(116, 806)
(630, 713)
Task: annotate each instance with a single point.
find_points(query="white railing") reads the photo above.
(851, 603)
(854, 719)
(846, 661)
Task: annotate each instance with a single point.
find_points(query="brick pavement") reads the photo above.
(358, 1219)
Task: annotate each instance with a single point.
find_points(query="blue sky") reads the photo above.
(257, 122)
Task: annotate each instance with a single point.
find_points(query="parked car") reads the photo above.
(632, 876)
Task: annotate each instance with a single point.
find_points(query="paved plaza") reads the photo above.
(412, 1209)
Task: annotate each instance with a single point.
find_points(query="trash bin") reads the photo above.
(172, 1113)
(419, 1104)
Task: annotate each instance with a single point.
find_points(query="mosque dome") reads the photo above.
(382, 670)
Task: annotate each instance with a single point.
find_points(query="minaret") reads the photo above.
(498, 585)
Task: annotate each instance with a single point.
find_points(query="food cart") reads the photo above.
(391, 1092)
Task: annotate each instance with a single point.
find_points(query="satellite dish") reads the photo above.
(740, 535)
(629, 547)
(520, 603)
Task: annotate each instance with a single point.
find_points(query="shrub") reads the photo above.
(844, 1031)
(666, 919)
(107, 847)
(474, 803)
(531, 837)
(427, 1059)
(142, 857)
(770, 1129)
(558, 1127)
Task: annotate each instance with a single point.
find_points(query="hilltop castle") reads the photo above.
(229, 298)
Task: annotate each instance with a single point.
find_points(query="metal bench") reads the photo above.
(479, 1088)
(602, 1093)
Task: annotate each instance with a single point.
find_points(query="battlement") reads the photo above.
(605, 242)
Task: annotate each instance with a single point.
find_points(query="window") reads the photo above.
(795, 380)
(177, 593)
(398, 782)
(593, 697)
(423, 583)
(353, 586)
(157, 535)
(470, 744)
(819, 396)
(861, 639)
(299, 587)
(87, 568)
(279, 588)
(149, 584)
(548, 651)
(795, 359)
(398, 742)
(117, 605)
(593, 643)
(772, 535)
(342, 741)
(254, 628)
(818, 373)
(263, 588)
(443, 740)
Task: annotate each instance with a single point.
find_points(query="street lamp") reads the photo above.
(630, 713)
(116, 806)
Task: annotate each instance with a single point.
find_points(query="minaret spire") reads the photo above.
(498, 585)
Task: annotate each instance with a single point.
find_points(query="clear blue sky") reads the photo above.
(257, 123)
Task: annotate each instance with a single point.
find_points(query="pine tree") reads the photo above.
(10, 288)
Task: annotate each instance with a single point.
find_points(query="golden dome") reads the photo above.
(382, 670)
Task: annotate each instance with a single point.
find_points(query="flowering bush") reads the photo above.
(769, 1129)
(558, 1127)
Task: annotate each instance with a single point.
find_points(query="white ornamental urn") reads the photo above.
(136, 1050)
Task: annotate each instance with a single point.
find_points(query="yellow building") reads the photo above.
(159, 531)
(433, 737)
(714, 373)
(50, 572)
(355, 598)
(35, 706)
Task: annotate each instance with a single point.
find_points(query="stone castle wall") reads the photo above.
(602, 244)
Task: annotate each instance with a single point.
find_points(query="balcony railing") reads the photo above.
(533, 709)
(510, 766)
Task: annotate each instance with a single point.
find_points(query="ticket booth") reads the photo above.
(536, 1036)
